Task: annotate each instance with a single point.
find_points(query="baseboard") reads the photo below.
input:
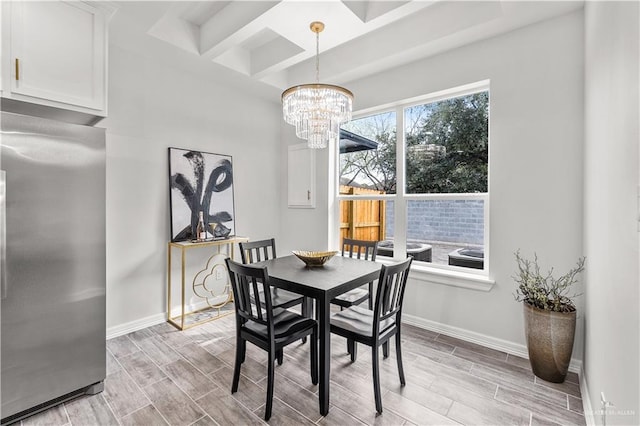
(481, 339)
(129, 327)
(136, 325)
(589, 414)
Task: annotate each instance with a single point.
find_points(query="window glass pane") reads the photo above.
(446, 149)
(361, 164)
(447, 145)
(367, 220)
(446, 232)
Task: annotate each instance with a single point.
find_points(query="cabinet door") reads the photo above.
(301, 176)
(58, 52)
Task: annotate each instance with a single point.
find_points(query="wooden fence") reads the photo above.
(362, 219)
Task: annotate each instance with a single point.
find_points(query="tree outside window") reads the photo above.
(447, 146)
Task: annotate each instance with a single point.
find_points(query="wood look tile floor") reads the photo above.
(160, 376)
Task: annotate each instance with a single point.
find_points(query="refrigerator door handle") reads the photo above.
(3, 235)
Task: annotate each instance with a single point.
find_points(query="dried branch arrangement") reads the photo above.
(544, 291)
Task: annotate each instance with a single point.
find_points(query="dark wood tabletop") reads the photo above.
(337, 276)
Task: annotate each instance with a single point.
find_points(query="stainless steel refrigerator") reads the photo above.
(52, 243)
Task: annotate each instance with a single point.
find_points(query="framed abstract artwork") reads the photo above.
(200, 182)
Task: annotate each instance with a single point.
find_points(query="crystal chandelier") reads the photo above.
(316, 109)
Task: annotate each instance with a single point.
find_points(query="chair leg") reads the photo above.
(243, 352)
(352, 348)
(236, 369)
(376, 378)
(304, 308)
(314, 357)
(279, 356)
(305, 312)
(399, 359)
(270, 377)
(385, 349)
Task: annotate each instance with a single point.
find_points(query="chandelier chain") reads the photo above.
(317, 57)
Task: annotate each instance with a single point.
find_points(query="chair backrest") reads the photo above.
(360, 249)
(250, 285)
(390, 293)
(257, 251)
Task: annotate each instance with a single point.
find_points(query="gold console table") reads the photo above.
(215, 302)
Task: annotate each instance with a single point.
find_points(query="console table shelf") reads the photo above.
(214, 269)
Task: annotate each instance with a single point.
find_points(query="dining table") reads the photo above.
(322, 283)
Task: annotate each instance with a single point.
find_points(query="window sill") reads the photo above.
(451, 278)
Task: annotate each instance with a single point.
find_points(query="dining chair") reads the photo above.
(375, 328)
(257, 251)
(267, 327)
(359, 249)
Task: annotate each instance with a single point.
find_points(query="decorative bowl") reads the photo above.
(314, 258)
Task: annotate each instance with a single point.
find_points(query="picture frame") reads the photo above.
(200, 181)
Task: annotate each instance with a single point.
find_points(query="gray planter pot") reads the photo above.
(550, 341)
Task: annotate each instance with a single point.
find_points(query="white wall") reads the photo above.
(154, 105)
(302, 228)
(612, 357)
(536, 155)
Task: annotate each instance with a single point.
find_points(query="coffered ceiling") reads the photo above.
(270, 41)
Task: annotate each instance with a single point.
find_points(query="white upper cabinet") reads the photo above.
(301, 176)
(54, 53)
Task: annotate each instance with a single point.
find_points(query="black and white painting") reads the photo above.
(200, 182)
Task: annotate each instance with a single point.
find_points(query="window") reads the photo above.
(425, 186)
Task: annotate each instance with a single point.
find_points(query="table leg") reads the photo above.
(324, 311)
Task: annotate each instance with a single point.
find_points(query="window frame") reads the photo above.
(477, 279)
